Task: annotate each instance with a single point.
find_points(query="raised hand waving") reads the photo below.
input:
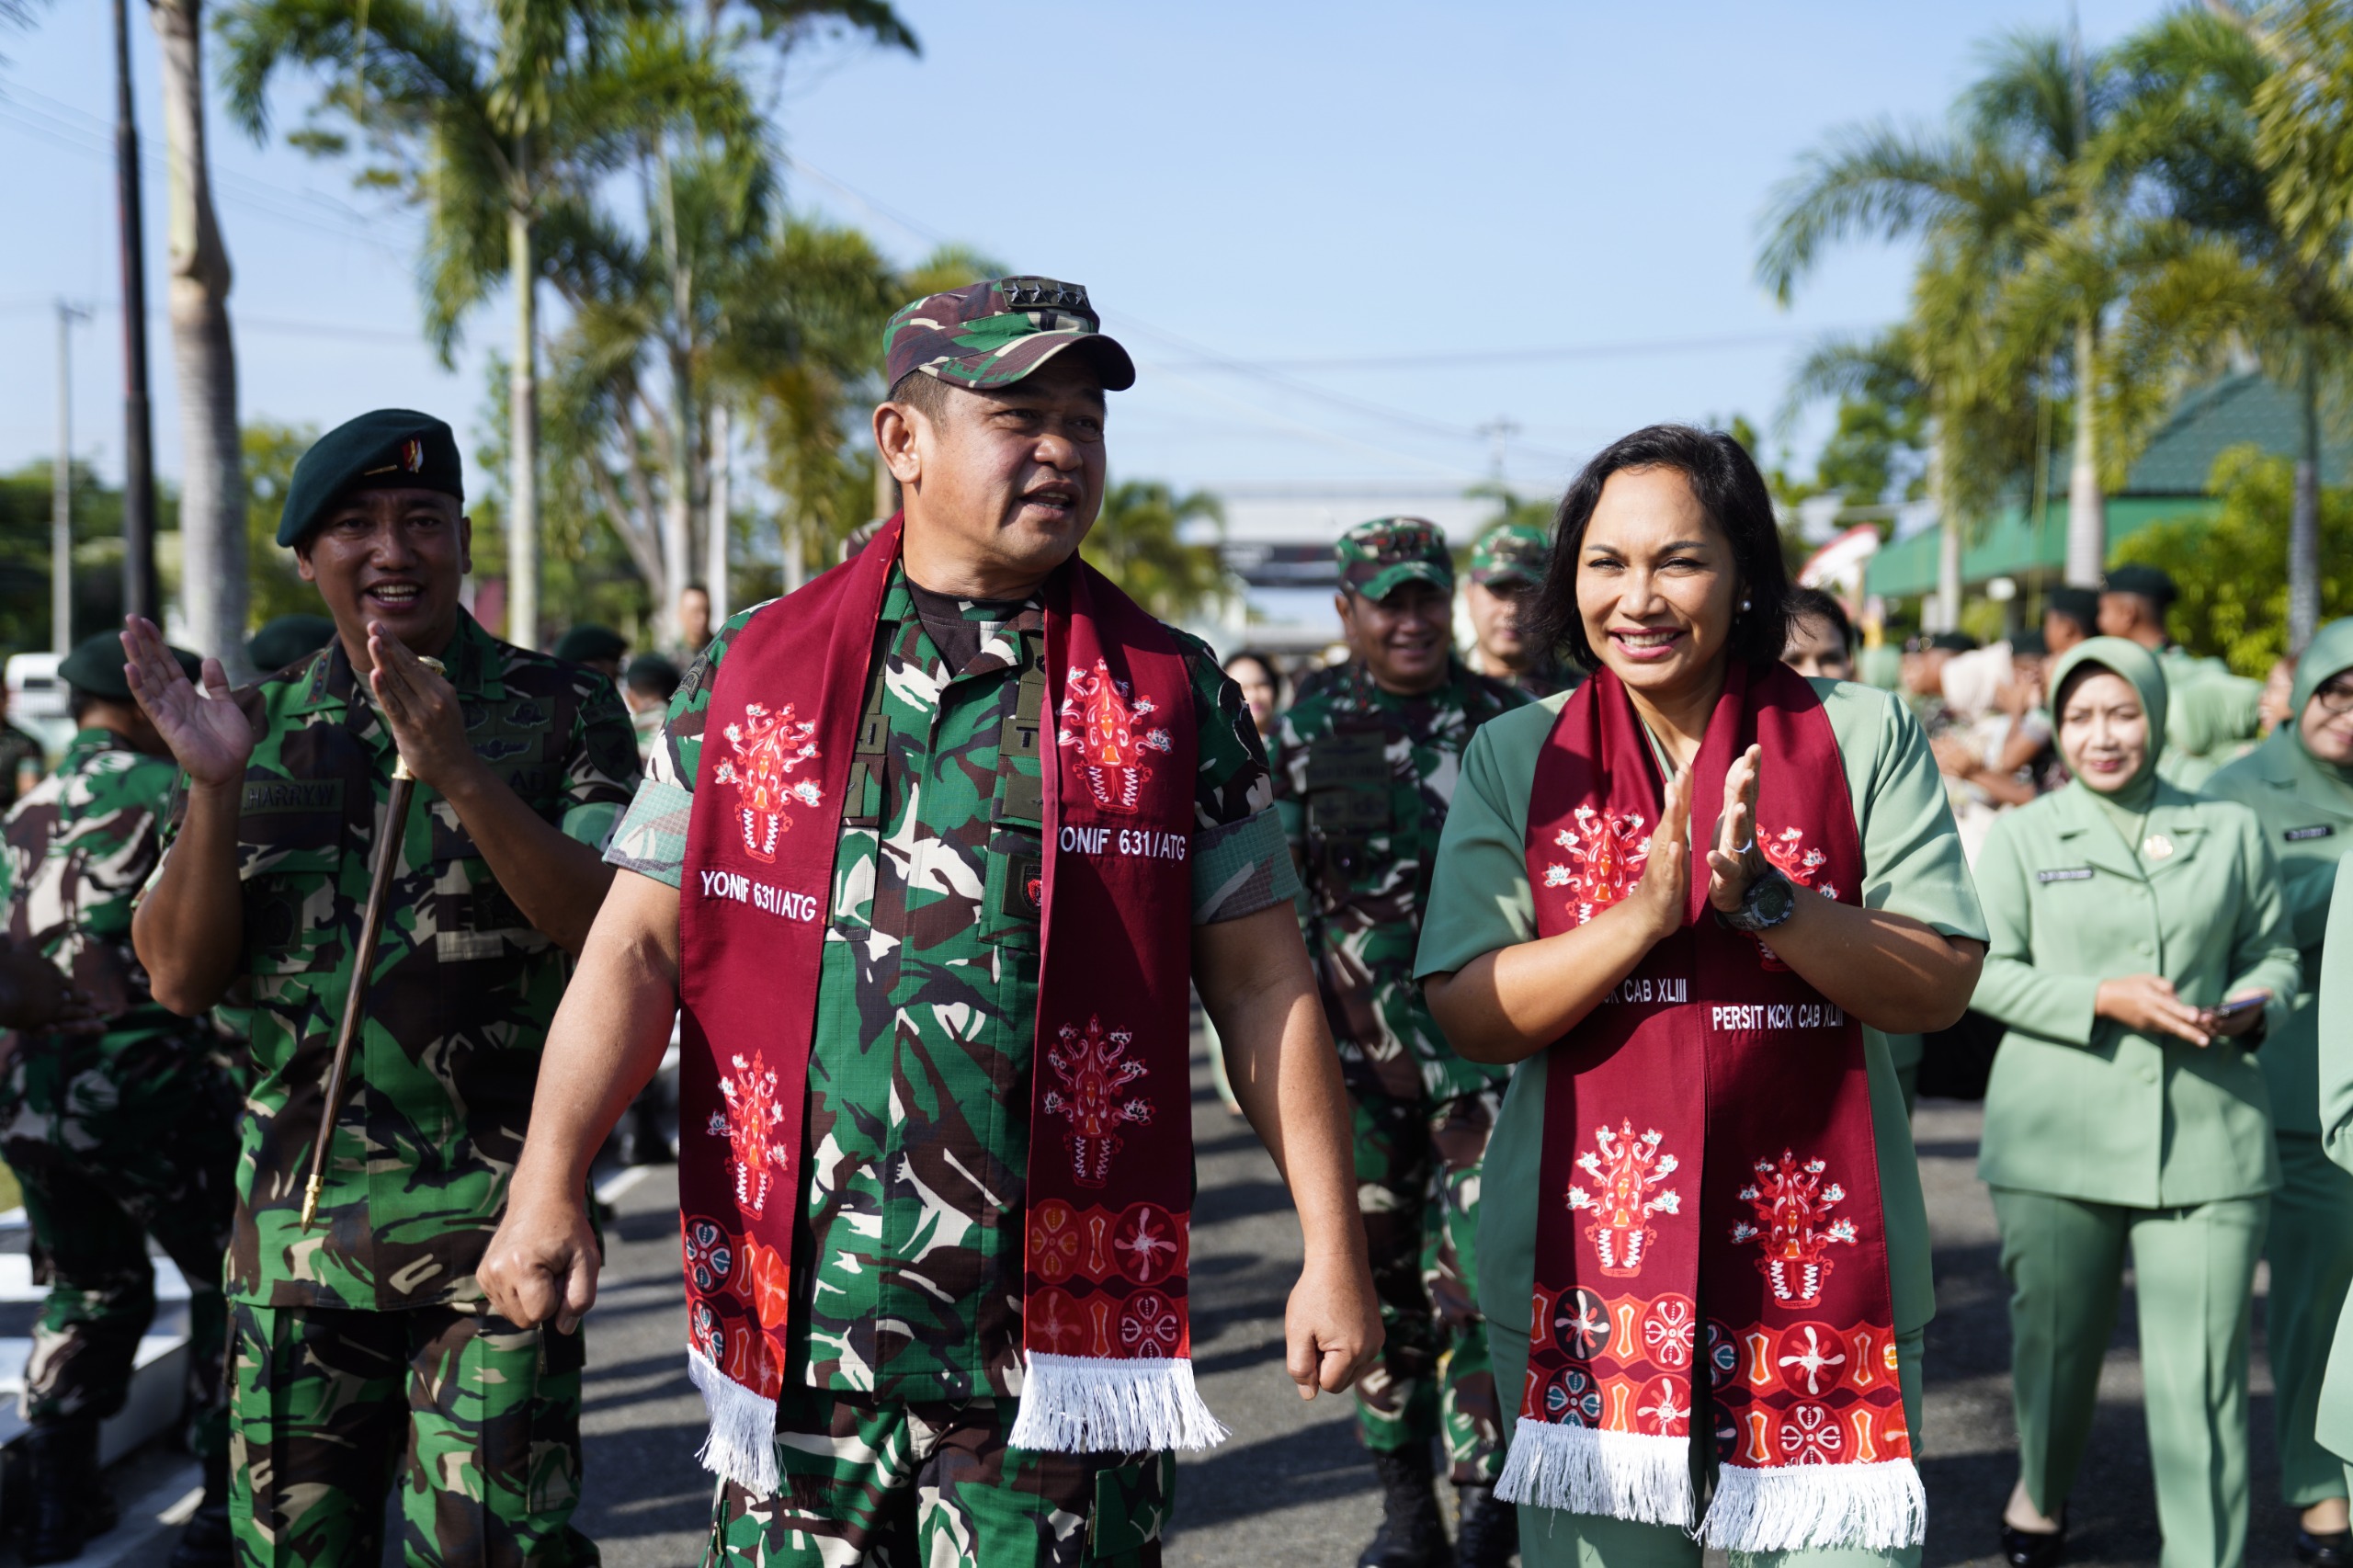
(208, 733)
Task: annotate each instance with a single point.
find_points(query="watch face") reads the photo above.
(1773, 899)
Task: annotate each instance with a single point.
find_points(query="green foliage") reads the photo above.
(2233, 596)
(97, 554)
(274, 587)
(1138, 542)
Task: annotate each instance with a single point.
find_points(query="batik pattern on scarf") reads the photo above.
(1709, 1250)
(1105, 1323)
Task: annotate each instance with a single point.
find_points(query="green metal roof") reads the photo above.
(2167, 481)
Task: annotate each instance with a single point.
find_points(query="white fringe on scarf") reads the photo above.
(1089, 1404)
(1583, 1469)
(1878, 1507)
(742, 1444)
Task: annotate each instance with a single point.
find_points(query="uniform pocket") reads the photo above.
(1131, 1503)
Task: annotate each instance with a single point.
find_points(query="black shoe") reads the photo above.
(1412, 1535)
(69, 1504)
(2035, 1549)
(1486, 1530)
(2332, 1551)
(205, 1541)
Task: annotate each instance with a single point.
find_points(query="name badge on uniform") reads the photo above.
(2299, 835)
(2065, 874)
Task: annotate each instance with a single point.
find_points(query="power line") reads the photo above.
(1441, 359)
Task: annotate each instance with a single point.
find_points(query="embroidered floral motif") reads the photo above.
(1811, 1358)
(1103, 719)
(1810, 1435)
(1094, 1068)
(1788, 853)
(1626, 1168)
(1581, 1323)
(752, 1124)
(1149, 1327)
(1664, 1408)
(1797, 1233)
(1573, 1398)
(768, 746)
(1053, 1240)
(1668, 1331)
(1605, 858)
(1149, 1244)
(709, 1257)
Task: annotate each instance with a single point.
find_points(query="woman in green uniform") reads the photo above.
(2126, 1104)
(1629, 977)
(2332, 1424)
(2299, 783)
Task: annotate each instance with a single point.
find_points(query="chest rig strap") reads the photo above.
(869, 794)
(1021, 797)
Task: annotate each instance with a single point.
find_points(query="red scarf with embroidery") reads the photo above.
(1710, 1203)
(1110, 1181)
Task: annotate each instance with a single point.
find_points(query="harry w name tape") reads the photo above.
(1648, 988)
(1149, 843)
(759, 895)
(1777, 1015)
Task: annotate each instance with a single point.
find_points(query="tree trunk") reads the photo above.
(678, 481)
(2086, 507)
(2303, 521)
(715, 561)
(213, 585)
(523, 441)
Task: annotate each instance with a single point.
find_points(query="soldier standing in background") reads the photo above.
(2210, 713)
(115, 1136)
(361, 1347)
(1507, 565)
(1365, 763)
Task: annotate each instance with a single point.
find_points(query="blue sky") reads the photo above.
(1292, 213)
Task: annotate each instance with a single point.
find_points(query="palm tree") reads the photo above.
(494, 134)
(2240, 135)
(1138, 541)
(213, 585)
(2001, 191)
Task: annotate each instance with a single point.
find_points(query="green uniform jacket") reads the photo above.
(464, 989)
(2080, 1106)
(2306, 809)
(1480, 901)
(2334, 1429)
(2212, 716)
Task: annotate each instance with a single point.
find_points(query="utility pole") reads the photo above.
(139, 594)
(1499, 432)
(61, 488)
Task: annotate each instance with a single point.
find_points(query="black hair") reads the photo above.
(1265, 661)
(928, 393)
(77, 701)
(1812, 603)
(1733, 493)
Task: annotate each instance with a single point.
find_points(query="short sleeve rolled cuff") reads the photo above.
(1480, 901)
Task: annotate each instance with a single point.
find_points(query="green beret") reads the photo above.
(95, 666)
(1377, 558)
(583, 643)
(652, 672)
(2078, 604)
(392, 448)
(2152, 583)
(287, 638)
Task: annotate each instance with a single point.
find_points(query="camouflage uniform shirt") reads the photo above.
(20, 755)
(1363, 779)
(80, 846)
(463, 988)
(907, 1255)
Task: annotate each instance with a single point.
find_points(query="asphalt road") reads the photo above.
(1292, 1485)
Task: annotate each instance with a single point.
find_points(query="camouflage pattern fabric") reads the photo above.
(1511, 552)
(1377, 557)
(118, 1136)
(907, 1272)
(475, 1421)
(1362, 781)
(463, 988)
(903, 1486)
(19, 753)
(994, 334)
(1417, 1186)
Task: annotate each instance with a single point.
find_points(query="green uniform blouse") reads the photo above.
(1480, 901)
(2335, 1425)
(2080, 1106)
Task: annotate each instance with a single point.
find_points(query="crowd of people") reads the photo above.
(1580, 982)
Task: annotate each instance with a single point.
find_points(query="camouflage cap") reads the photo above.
(992, 334)
(1378, 557)
(1516, 552)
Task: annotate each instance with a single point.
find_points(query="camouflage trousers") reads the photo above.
(899, 1485)
(114, 1139)
(1418, 1187)
(477, 1423)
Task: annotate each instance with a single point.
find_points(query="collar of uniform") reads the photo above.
(2091, 836)
(89, 743)
(899, 607)
(329, 681)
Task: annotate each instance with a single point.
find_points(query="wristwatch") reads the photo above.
(1771, 899)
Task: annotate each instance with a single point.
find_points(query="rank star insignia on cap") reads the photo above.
(391, 449)
(1378, 557)
(1516, 552)
(992, 334)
